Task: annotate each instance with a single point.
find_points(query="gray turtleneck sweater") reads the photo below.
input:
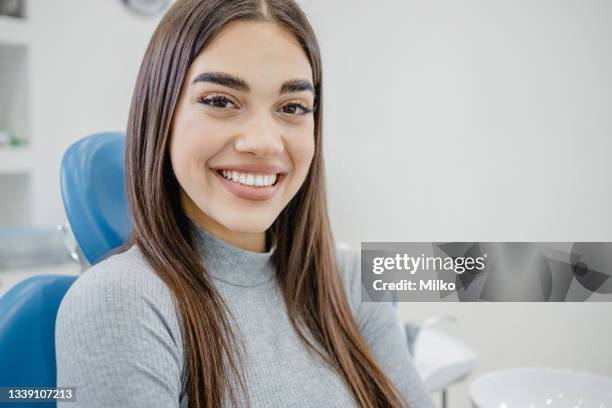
(119, 342)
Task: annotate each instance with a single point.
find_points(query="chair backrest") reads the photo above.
(27, 332)
(93, 191)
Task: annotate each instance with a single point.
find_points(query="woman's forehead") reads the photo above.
(263, 54)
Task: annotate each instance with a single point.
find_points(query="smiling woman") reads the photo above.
(230, 291)
(245, 113)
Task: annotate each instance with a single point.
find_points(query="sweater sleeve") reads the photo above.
(117, 339)
(383, 333)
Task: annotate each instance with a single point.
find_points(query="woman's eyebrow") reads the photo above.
(234, 82)
(221, 78)
(296, 85)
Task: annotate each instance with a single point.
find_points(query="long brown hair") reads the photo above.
(304, 256)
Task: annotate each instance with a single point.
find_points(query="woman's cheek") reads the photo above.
(304, 150)
(177, 160)
(201, 142)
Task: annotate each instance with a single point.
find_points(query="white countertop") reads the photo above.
(10, 277)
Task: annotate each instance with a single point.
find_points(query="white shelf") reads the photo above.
(15, 160)
(14, 31)
(14, 106)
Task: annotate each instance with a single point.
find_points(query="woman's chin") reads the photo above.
(248, 223)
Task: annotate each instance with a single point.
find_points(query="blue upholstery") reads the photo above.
(92, 185)
(27, 333)
(93, 190)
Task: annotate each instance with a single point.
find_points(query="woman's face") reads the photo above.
(243, 131)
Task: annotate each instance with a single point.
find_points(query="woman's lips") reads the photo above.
(249, 192)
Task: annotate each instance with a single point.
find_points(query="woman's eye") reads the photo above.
(217, 101)
(295, 108)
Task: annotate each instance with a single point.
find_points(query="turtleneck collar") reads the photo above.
(232, 264)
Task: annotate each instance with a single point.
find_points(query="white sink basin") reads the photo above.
(534, 387)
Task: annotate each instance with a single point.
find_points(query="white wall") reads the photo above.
(445, 121)
(476, 121)
(84, 60)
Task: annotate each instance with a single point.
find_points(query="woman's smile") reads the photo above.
(251, 182)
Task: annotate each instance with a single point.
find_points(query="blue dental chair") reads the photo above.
(93, 192)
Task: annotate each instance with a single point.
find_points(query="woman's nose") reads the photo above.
(261, 136)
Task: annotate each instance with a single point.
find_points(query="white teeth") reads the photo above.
(256, 180)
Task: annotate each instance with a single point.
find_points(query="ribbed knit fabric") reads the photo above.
(119, 342)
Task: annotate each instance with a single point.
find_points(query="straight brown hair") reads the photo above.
(304, 258)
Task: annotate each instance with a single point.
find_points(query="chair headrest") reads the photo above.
(93, 192)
